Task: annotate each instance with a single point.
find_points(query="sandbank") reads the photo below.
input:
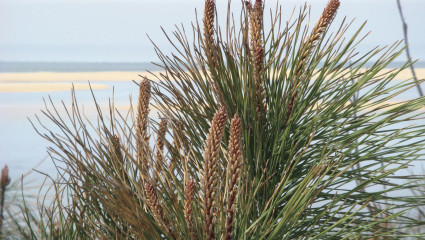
(46, 87)
(72, 76)
(124, 76)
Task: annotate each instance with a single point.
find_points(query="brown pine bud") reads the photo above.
(142, 138)
(156, 208)
(117, 148)
(160, 141)
(209, 171)
(233, 169)
(324, 21)
(5, 179)
(188, 201)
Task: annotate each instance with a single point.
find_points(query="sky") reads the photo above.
(116, 30)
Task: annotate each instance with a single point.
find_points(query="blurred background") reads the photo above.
(48, 45)
(115, 30)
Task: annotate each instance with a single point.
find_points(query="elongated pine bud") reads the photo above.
(4, 181)
(324, 21)
(160, 141)
(210, 48)
(209, 171)
(188, 202)
(153, 200)
(4, 178)
(233, 169)
(161, 138)
(209, 43)
(156, 208)
(256, 24)
(257, 51)
(142, 138)
(307, 48)
(117, 148)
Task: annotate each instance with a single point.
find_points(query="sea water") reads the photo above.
(22, 149)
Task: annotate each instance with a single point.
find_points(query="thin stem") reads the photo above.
(409, 58)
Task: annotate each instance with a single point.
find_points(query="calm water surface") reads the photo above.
(23, 149)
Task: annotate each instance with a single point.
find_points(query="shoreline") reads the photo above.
(122, 76)
(113, 76)
(62, 81)
(47, 87)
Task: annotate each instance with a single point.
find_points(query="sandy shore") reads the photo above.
(119, 76)
(72, 76)
(47, 87)
(61, 81)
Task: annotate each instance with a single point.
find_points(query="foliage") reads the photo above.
(299, 159)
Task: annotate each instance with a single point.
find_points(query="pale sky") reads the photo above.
(115, 30)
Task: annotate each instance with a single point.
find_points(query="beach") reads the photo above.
(107, 76)
(62, 81)
(47, 87)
